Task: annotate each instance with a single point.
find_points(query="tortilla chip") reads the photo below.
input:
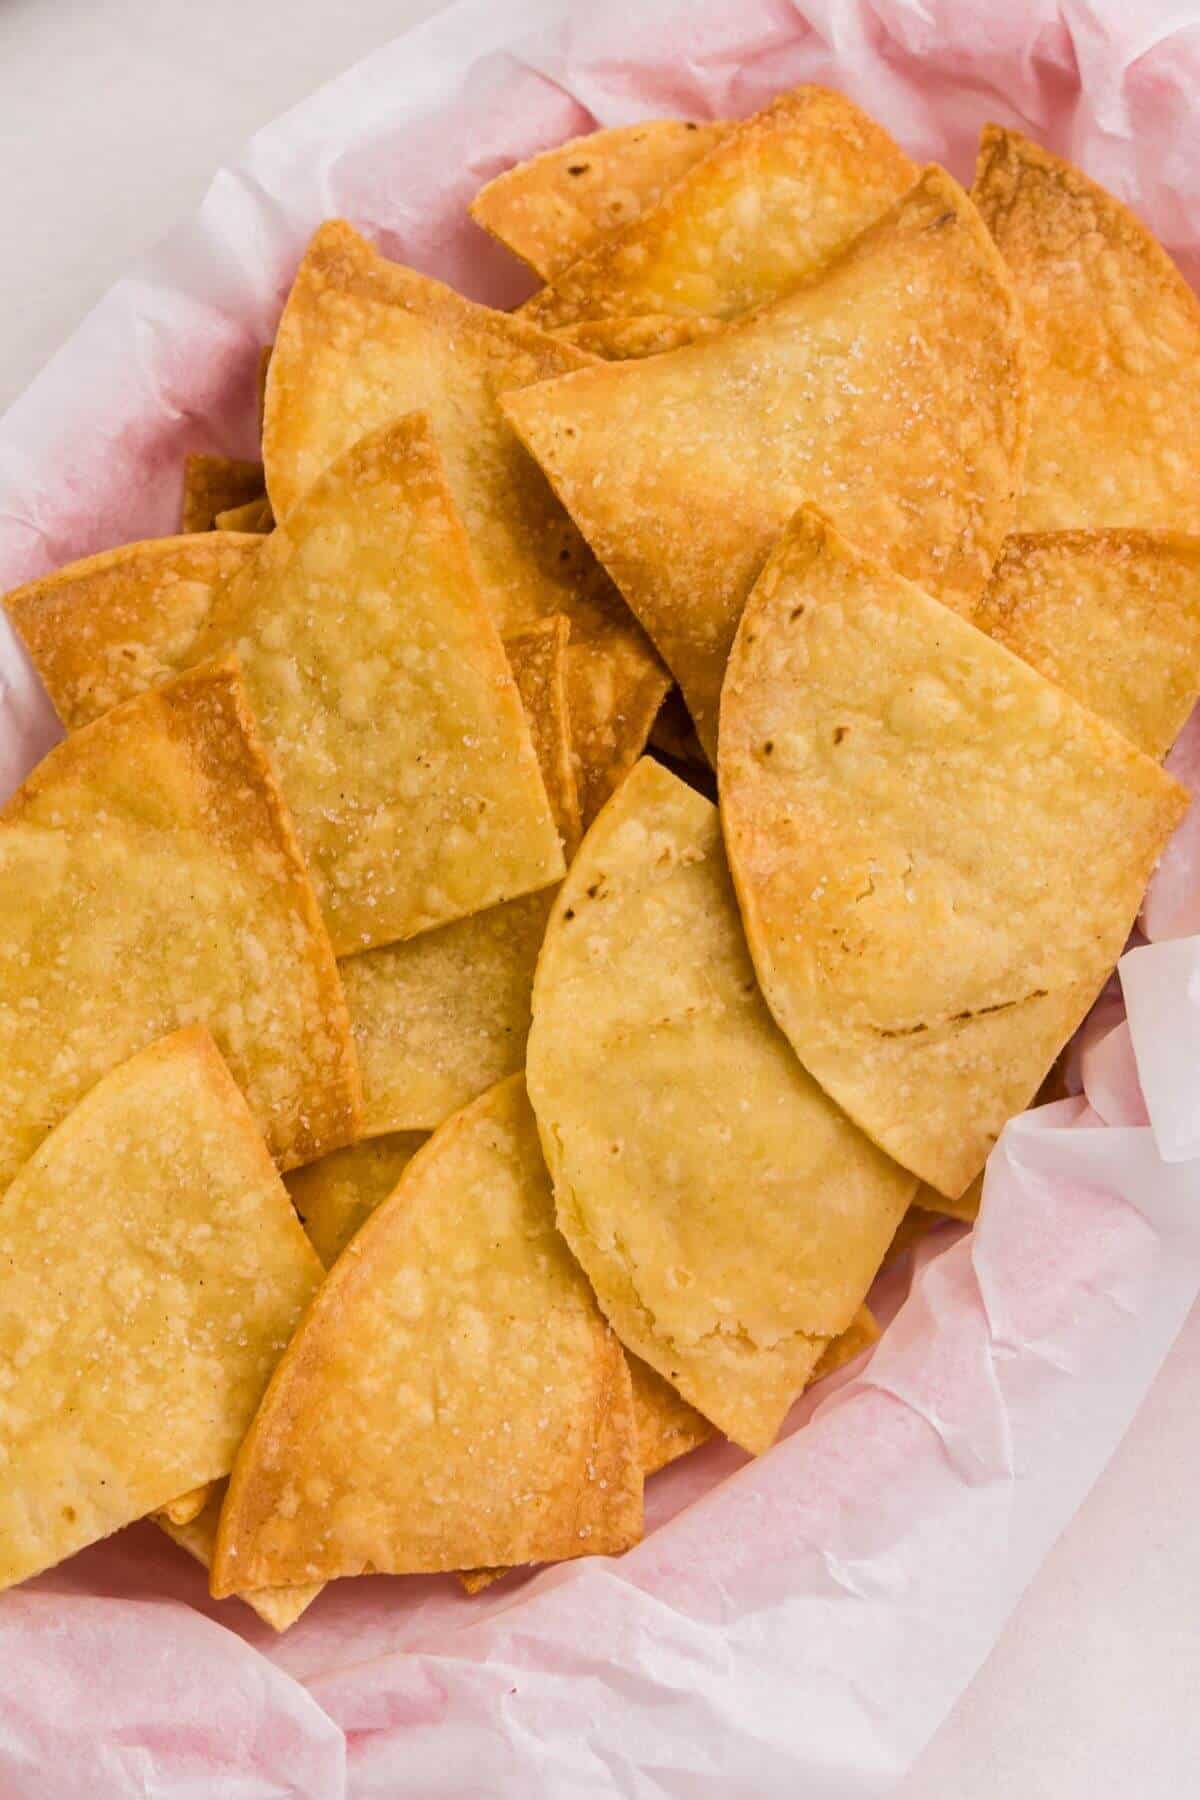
(667, 1426)
(149, 877)
(151, 1271)
(104, 629)
(276, 1607)
(915, 1224)
(453, 1398)
(938, 854)
(260, 384)
(965, 1208)
(1114, 346)
(861, 1333)
(387, 700)
(729, 1218)
(890, 388)
(615, 687)
(1112, 616)
(779, 194)
(363, 340)
(214, 484)
(538, 658)
(186, 1507)
(255, 516)
(336, 1195)
(557, 206)
(441, 1018)
(622, 340)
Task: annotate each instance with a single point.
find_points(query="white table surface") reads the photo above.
(113, 115)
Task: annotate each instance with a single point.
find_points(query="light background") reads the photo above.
(113, 116)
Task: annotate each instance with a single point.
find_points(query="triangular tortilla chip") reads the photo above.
(380, 684)
(667, 1426)
(338, 1194)
(890, 388)
(260, 383)
(362, 341)
(615, 687)
(149, 877)
(557, 206)
(938, 854)
(104, 629)
(728, 1216)
(186, 1507)
(215, 484)
(255, 516)
(538, 658)
(276, 1607)
(453, 1398)
(861, 1333)
(622, 340)
(385, 695)
(778, 194)
(151, 1271)
(441, 1018)
(1112, 616)
(965, 1208)
(1114, 346)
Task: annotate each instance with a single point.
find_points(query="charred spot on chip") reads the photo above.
(797, 612)
(578, 168)
(839, 732)
(768, 747)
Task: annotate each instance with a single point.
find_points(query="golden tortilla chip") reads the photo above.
(387, 700)
(104, 629)
(889, 388)
(938, 854)
(615, 687)
(1114, 346)
(151, 1272)
(149, 877)
(538, 658)
(214, 484)
(336, 1195)
(965, 1208)
(441, 1018)
(1112, 616)
(778, 195)
(622, 340)
(186, 1507)
(276, 1607)
(260, 384)
(667, 1426)
(861, 1333)
(557, 206)
(453, 1398)
(729, 1218)
(256, 516)
(363, 341)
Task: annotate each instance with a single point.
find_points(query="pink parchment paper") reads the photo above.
(797, 1625)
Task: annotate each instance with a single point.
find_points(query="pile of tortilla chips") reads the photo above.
(568, 864)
